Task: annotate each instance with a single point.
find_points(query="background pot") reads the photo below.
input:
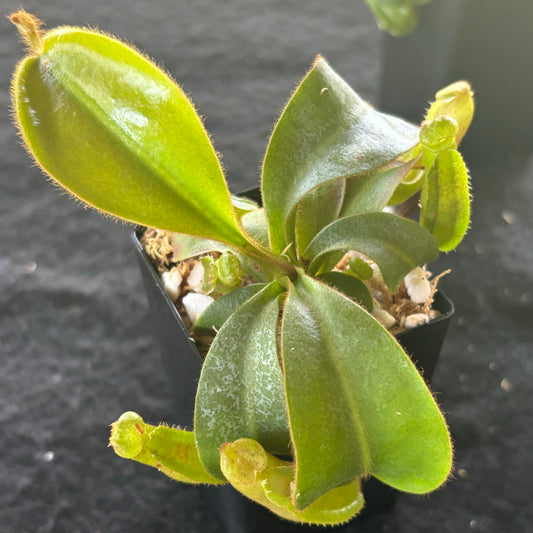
(416, 66)
(486, 42)
(183, 362)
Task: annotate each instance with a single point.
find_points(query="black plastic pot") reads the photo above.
(182, 362)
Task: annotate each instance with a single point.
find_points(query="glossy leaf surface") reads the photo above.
(118, 133)
(395, 244)
(240, 393)
(267, 480)
(326, 132)
(356, 403)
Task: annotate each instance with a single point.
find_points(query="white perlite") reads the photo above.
(172, 281)
(195, 304)
(377, 276)
(196, 277)
(416, 319)
(384, 318)
(418, 286)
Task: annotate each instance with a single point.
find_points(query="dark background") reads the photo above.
(75, 343)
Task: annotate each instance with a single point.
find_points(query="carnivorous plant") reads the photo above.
(303, 392)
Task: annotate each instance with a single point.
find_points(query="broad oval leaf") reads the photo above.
(214, 317)
(355, 400)
(114, 130)
(371, 192)
(350, 286)
(326, 132)
(395, 244)
(445, 200)
(240, 392)
(316, 210)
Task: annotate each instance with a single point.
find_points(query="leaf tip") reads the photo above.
(318, 60)
(29, 28)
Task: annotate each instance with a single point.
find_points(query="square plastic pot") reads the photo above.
(182, 362)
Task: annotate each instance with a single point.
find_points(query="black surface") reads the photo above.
(75, 343)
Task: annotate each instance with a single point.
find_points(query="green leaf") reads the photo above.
(350, 286)
(187, 246)
(267, 480)
(222, 308)
(371, 192)
(114, 130)
(255, 225)
(325, 133)
(316, 210)
(360, 269)
(240, 392)
(327, 262)
(445, 200)
(356, 403)
(170, 450)
(410, 185)
(243, 205)
(395, 244)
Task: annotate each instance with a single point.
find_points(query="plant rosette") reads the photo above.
(293, 322)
